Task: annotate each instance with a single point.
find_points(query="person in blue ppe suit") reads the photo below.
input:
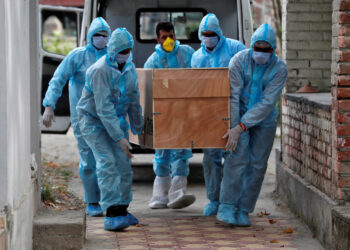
(73, 68)
(257, 77)
(170, 191)
(110, 94)
(216, 51)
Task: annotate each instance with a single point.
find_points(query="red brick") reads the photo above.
(344, 56)
(344, 17)
(344, 30)
(344, 105)
(344, 117)
(343, 155)
(344, 181)
(343, 130)
(345, 5)
(343, 69)
(344, 80)
(343, 92)
(344, 41)
(343, 142)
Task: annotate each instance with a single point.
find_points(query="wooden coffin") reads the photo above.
(145, 88)
(184, 108)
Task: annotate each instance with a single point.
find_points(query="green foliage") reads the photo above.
(46, 192)
(58, 43)
(66, 173)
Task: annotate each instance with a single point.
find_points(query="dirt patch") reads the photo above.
(55, 178)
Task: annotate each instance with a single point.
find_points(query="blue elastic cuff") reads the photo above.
(45, 104)
(136, 132)
(245, 125)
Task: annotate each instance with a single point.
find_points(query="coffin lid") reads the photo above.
(191, 83)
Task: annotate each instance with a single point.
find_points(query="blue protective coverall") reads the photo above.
(73, 68)
(108, 96)
(255, 89)
(219, 57)
(174, 161)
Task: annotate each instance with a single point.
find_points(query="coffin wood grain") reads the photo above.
(202, 73)
(190, 123)
(191, 88)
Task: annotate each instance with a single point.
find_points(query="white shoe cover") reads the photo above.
(161, 187)
(177, 193)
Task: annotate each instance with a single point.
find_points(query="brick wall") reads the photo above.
(306, 139)
(306, 45)
(316, 142)
(341, 97)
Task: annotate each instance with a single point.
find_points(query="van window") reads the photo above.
(185, 21)
(59, 31)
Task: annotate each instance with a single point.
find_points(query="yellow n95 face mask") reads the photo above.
(169, 44)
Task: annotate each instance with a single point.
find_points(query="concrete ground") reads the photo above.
(187, 228)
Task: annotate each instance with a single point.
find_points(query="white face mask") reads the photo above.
(210, 42)
(120, 58)
(100, 42)
(261, 57)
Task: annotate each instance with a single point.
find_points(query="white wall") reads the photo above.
(19, 118)
(3, 113)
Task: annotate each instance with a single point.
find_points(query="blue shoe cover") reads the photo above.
(226, 213)
(116, 223)
(211, 208)
(133, 221)
(93, 211)
(243, 219)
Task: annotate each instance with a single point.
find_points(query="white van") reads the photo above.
(64, 28)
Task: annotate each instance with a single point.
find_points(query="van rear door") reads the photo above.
(245, 21)
(59, 34)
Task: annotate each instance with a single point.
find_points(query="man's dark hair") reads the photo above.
(167, 26)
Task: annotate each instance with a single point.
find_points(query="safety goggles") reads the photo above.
(125, 52)
(258, 49)
(103, 34)
(262, 46)
(209, 34)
